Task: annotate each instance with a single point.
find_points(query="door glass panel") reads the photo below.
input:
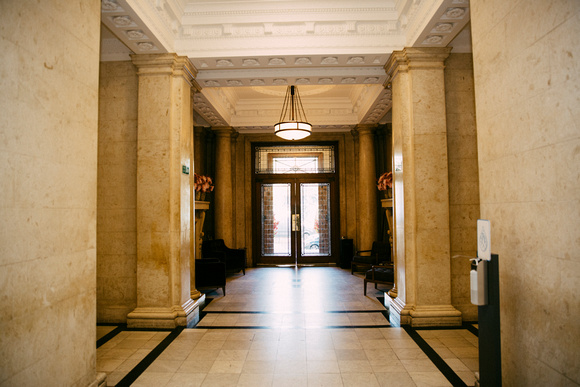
(315, 218)
(294, 159)
(276, 212)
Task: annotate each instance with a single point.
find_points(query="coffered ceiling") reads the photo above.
(248, 51)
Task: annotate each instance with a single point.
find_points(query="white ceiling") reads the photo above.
(248, 51)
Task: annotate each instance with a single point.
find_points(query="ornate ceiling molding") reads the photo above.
(242, 44)
(130, 28)
(259, 76)
(442, 25)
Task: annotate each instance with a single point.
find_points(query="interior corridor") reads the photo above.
(287, 326)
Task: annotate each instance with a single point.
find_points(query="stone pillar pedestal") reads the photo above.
(367, 188)
(164, 146)
(421, 192)
(223, 191)
(200, 211)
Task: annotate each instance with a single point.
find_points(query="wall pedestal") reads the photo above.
(387, 204)
(200, 211)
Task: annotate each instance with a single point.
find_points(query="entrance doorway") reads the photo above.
(295, 202)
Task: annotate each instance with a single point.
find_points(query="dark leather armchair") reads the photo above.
(380, 253)
(210, 273)
(380, 274)
(235, 259)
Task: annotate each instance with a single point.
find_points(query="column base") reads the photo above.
(167, 318)
(100, 380)
(423, 316)
(195, 294)
(399, 313)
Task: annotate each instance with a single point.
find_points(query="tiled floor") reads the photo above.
(290, 327)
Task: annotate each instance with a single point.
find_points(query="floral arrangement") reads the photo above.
(385, 181)
(202, 183)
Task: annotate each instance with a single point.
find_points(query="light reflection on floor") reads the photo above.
(308, 326)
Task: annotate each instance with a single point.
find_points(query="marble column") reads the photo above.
(198, 150)
(223, 215)
(164, 147)
(367, 188)
(421, 192)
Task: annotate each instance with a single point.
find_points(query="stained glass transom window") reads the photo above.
(295, 159)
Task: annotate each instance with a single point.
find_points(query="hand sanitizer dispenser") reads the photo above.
(478, 280)
(478, 274)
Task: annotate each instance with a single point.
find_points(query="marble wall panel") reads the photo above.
(528, 97)
(48, 143)
(463, 177)
(117, 191)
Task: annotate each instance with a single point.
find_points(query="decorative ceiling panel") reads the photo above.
(247, 51)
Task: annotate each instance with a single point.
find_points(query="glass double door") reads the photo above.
(296, 224)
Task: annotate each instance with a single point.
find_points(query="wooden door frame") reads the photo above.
(332, 178)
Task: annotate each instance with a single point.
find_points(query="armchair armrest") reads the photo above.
(384, 265)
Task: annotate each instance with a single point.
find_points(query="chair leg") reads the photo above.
(365, 292)
(224, 290)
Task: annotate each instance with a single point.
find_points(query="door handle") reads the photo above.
(295, 222)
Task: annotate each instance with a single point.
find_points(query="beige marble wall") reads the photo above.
(527, 92)
(463, 177)
(117, 192)
(48, 178)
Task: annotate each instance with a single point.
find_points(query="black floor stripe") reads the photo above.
(120, 328)
(471, 328)
(150, 358)
(435, 358)
(295, 327)
(294, 312)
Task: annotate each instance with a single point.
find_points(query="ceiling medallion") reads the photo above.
(455, 13)
(123, 21)
(135, 34)
(433, 39)
(303, 61)
(443, 27)
(276, 62)
(109, 5)
(330, 60)
(250, 62)
(146, 46)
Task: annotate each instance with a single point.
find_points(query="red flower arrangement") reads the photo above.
(385, 181)
(202, 183)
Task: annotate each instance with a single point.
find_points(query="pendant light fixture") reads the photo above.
(292, 124)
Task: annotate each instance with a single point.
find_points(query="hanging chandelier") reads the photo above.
(292, 124)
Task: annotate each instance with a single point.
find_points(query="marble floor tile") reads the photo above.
(220, 380)
(285, 327)
(360, 379)
(325, 380)
(186, 379)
